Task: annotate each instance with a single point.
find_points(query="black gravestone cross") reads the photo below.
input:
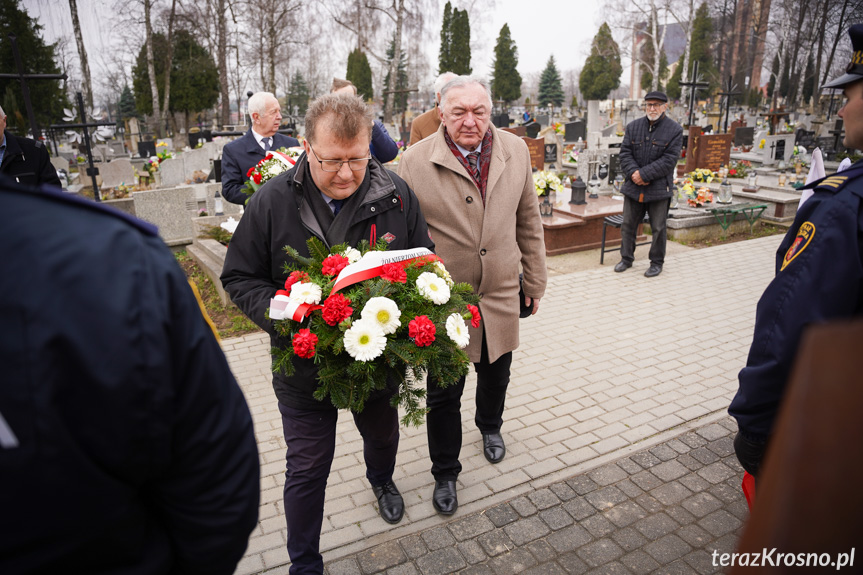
(22, 77)
(694, 85)
(727, 94)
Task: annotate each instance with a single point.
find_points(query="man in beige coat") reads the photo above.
(476, 190)
(428, 122)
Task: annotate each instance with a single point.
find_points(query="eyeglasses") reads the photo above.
(657, 105)
(356, 164)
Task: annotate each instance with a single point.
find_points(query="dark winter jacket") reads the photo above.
(281, 214)
(240, 155)
(27, 162)
(126, 445)
(653, 151)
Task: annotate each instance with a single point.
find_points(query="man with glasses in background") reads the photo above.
(648, 157)
(339, 194)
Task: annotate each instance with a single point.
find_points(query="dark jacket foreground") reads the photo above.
(27, 162)
(819, 278)
(280, 214)
(240, 155)
(654, 154)
(135, 449)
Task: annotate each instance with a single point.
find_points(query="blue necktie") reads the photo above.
(266, 142)
(337, 206)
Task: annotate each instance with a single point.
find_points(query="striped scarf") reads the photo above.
(484, 160)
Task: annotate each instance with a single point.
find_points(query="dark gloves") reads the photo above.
(749, 453)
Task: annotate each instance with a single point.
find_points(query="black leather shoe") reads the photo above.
(622, 266)
(444, 498)
(493, 447)
(390, 502)
(653, 271)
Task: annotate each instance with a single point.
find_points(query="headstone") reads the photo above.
(532, 129)
(169, 210)
(169, 144)
(692, 148)
(714, 151)
(519, 131)
(197, 161)
(173, 172)
(500, 120)
(116, 172)
(609, 131)
(541, 119)
(536, 147)
(195, 137)
(777, 148)
(805, 138)
(744, 136)
(575, 130)
(594, 122)
(732, 129)
(550, 153)
(146, 149)
(60, 163)
(613, 166)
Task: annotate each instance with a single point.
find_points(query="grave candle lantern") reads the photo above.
(724, 192)
(578, 189)
(617, 185)
(594, 187)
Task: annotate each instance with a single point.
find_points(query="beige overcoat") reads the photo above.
(483, 245)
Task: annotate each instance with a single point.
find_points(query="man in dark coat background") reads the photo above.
(244, 153)
(126, 445)
(648, 157)
(25, 160)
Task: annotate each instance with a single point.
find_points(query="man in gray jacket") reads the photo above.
(648, 156)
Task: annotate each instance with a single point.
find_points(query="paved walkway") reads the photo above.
(618, 445)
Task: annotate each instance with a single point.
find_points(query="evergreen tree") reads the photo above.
(550, 85)
(774, 75)
(401, 83)
(460, 47)
(701, 51)
(360, 73)
(127, 104)
(506, 81)
(808, 80)
(298, 95)
(673, 87)
(194, 75)
(46, 96)
(602, 69)
(444, 57)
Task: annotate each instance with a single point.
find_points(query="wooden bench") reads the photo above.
(727, 214)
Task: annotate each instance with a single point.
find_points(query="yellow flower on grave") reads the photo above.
(761, 144)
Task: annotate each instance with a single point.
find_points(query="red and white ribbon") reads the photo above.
(372, 263)
(283, 308)
(283, 158)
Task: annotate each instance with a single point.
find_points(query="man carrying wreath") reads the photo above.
(339, 194)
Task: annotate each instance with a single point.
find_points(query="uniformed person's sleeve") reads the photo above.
(820, 281)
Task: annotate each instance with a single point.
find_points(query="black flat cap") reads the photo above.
(854, 70)
(656, 96)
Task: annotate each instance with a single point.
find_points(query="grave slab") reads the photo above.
(117, 172)
(169, 210)
(172, 172)
(197, 161)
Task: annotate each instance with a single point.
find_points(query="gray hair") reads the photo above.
(462, 82)
(2, 113)
(441, 82)
(347, 116)
(258, 102)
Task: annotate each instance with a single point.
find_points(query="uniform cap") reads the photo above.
(854, 70)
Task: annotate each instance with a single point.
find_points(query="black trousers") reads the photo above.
(443, 421)
(311, 440)
(633, 213)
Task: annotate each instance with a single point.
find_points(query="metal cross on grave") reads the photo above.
(25, 90)
(694, 84)
(727, 94)
(92, 171)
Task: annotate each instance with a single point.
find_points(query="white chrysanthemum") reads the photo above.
(442, 272)
(353, 255)
(384, 312)
(433, 288)
(365, 340)
(305, 292)
(457, 331)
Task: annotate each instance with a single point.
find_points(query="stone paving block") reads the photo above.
(556, 518)
(639, 562)
(649, 503)
(629, 488)
(656, 526)
(579, 508)
(543, 498)
(704, 455)
(664, 452)
(470, 527)
(694, 483)
(628, 538)
(344, 567)
(495, 542)
(702, 504)
(722, 447)
(701, 561)
(629, 466)
(550, 568)
(413, 546)
(598, 526)
(501, 514)
(381, 557)
(725, 492)
(563, 491)
(671, 493)
(600, 552)
(689, 462)
(606, 497)
(716, 472)
(625, 513)
(680, 515)
(679, 567)
(712, 432)
(512, 562)
(572, 564)
(405, 569)
(480, 569)
(667, 549)
(523, 506)
(670, 470)
(569, 538)
(678, 446)
(646, 480)
(472, 551)
(438, 538)
(607, 474)
(542, 551)
(613, 568)
(719, 523)
(441, 562)
(646, 460)
(526, 530)
(582, 484)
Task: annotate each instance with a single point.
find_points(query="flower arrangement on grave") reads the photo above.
(570, 154)
(739, 168)
(761, 143)
(273, 164)
(366, 314)
(164, 154)
(546, 182)
(701, 175)
(558, 128)
(696, 197)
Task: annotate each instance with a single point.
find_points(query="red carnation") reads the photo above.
(304, 343)
(296, 276)
(337, 308)
(283, 292)
(256, 177)
(334, 264)
(249, 173)
(732, 172)
(394, 273)
(474, 315)
(421, 330)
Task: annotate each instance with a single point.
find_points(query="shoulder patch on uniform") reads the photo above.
(832, 182)
(804, 237)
